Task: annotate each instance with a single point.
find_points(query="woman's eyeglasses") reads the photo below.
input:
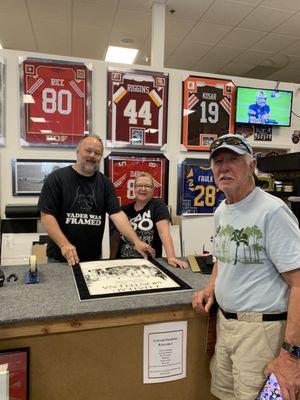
(235, 141)
(148, 187)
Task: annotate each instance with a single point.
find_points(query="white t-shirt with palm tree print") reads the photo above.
(255, 241)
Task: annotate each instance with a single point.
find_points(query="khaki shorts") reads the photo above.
(242, 351)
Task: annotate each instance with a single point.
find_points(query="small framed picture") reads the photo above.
(14, 374)
(123, 168)
(55, 102)
(28, 176)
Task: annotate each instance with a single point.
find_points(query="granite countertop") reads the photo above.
(55, 297)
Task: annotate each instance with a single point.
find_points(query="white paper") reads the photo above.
(165, 352)
(17, 247)
(4, 382)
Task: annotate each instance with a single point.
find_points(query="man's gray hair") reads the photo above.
(93, 135)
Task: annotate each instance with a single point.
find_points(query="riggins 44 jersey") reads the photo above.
(137, 109)
(55, 102)
(199, 194)
(122, 171)
(208, 111)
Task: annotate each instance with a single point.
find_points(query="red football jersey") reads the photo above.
(55, 102)
(122, 171)
(137, 109)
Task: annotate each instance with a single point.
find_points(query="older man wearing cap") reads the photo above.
(255, 281)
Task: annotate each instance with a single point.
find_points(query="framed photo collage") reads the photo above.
(55, 112)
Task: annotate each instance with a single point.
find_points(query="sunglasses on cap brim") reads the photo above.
(235, 141)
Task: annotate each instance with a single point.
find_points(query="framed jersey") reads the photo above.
(2, 100)
(208, 111)
(197, 191)
(123, 168)
(55, 99)
(137, 109)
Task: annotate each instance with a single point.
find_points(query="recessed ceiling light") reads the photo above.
(121, 55)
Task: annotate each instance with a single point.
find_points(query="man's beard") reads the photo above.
(87, 168)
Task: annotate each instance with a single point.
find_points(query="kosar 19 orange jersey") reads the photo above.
(122, 169)
(137, 109)
(208, 111)
(55, 102)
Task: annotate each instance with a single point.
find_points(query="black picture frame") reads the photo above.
(124, 277)
(18, 367)
(29, 175)
(197, 191)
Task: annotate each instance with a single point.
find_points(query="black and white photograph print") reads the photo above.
(29, 175)
(109, 278)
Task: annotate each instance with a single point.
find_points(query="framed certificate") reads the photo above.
(2, 100)
(208, 111)
(197, 191)
(126, 277)
(123, 168)
(28, 176)
(137, 109)
(55, 99)
(17, 373)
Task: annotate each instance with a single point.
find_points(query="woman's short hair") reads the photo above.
(144, 175)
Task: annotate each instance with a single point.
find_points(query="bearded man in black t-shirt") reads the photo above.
(73, 204)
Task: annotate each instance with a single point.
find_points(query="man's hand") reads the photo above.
(174, 262)
(203, 300)
(70, 253)
(144, 249)
(286, 368)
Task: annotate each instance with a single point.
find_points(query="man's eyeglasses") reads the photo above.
(235, 141)
(148, 187)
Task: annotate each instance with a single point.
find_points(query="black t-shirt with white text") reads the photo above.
(79, 204)
(144, 223)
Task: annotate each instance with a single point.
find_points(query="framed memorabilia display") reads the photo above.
(208, 111)
(17, 373)
(122, 169)
(137, 109)
(55, 99)
(263, 133)
(28, 176)
(197, 191)
(2, 100)
(126, 277)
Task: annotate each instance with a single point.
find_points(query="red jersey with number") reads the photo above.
(123, 171)
(137, 109)
(55, 102)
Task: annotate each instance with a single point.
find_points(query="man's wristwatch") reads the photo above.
(292, 348)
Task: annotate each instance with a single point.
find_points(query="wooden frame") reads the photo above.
(137, 108)
(122, 168)
(55, 102)
(28, 176)
(18, 367)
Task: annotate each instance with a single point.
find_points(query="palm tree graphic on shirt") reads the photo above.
(238, 245)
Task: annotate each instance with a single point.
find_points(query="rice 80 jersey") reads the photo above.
(56, 102)
(208, 111)
(200, 195)
(123, 169)
(137, 109)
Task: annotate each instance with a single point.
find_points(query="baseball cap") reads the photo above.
(236, 143)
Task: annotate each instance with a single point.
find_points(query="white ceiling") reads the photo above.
(252, 38)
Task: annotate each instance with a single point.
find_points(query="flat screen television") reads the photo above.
(263, 106)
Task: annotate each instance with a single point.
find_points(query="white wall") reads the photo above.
(200, 226)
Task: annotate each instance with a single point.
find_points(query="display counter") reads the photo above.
(94, 349)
